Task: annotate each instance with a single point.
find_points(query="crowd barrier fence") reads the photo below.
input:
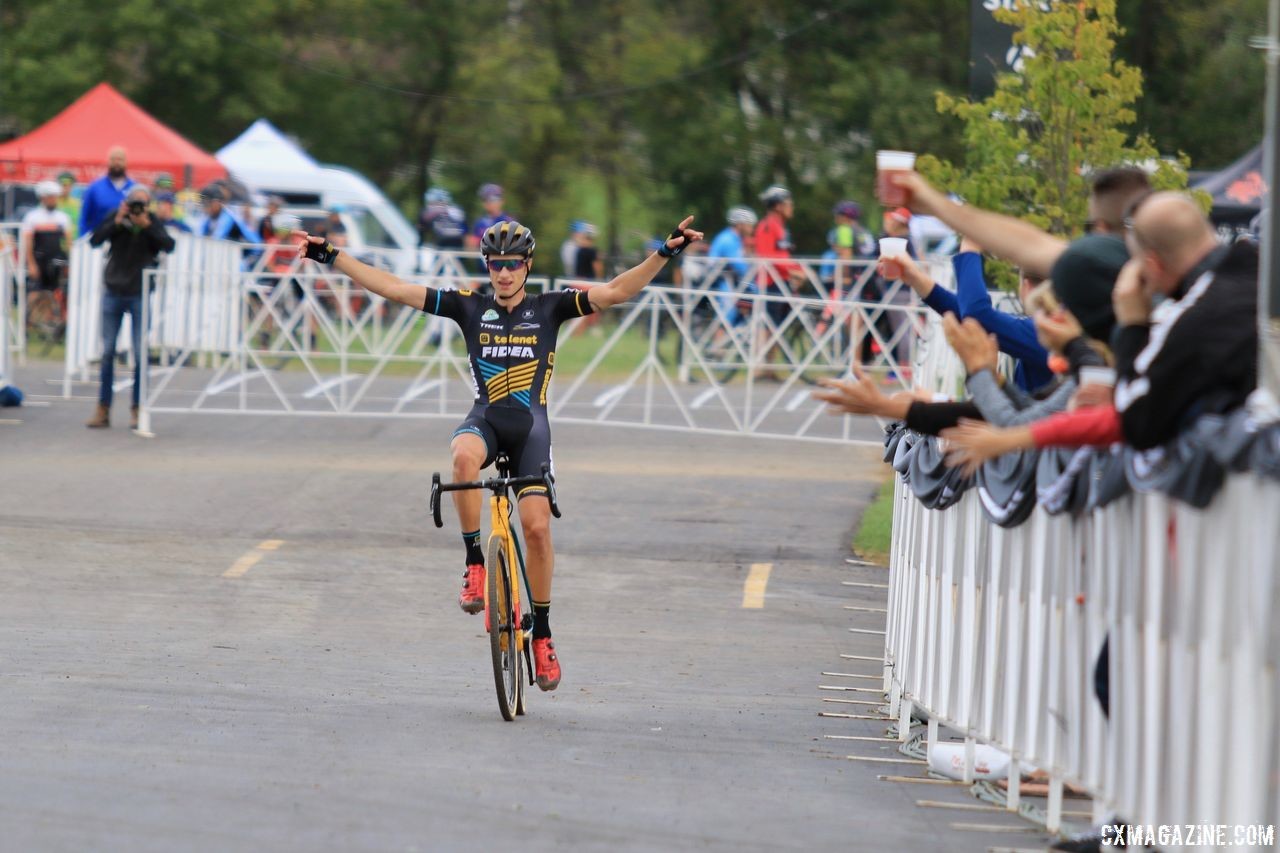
(994, 633)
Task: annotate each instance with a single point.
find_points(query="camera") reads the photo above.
(136, 207)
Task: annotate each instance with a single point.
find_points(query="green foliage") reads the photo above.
(1031, 146)
(634, 114)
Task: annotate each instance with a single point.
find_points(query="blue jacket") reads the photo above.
(101, 199)
(728, 244)
(1016, 335)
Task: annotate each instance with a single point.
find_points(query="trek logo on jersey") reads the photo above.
(489, 315)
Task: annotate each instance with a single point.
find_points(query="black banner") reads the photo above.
(991, 48)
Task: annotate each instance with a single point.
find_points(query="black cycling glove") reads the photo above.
(322, 253)
(667, 252)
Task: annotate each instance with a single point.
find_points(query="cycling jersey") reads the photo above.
(512, 355)
(49, 231)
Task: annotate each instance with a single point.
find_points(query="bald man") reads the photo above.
(102, 198)
(1196, 352)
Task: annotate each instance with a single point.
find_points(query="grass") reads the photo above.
(573, 353)
(872, 541)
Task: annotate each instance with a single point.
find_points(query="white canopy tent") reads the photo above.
(265, 159)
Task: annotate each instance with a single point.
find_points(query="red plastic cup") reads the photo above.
(888, 165)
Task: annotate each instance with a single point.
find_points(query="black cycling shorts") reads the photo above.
(523, 435)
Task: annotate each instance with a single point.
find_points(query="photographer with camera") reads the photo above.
(136, 239)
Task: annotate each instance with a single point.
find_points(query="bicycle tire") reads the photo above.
(502, 630)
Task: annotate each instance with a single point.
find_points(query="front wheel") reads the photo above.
(503, 630)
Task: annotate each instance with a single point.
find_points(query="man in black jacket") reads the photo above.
(1196, 352)
(136, 239)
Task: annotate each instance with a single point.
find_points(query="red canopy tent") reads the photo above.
(77, 140)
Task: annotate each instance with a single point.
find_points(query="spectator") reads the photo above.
(136, 239)
(441, 224)
(333, 228)
(267, 225)
(889, 321)
(1197, 354)
(164, 183)
(730, 247)
(579, 254)
(46, 232)
(219, 222)
(69, 203)
(1022, 243)
(105, 195)
(1016, 335)
(773, 243)
(493, 200)
(693, 265)
(165, 215)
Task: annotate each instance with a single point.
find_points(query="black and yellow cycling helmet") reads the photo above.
(507, 238)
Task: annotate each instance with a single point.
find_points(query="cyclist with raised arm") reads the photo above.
(511, 340)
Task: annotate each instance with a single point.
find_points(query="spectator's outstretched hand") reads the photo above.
(912, 273)
(861, 396)
(924, 198)
(977, 349)
(971, 443)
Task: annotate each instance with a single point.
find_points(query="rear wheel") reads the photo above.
(503, 643)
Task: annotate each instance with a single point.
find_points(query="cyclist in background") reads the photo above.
(46, 231)
(68, 203)
(442, 224)
(773, 243)
(493, 200)
(511, 339)
(730, 245)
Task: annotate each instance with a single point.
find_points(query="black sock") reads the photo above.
(475, 557)
(541, 621)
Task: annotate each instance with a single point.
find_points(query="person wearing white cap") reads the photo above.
(45, 233)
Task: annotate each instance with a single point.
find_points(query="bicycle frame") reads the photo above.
(502, 530)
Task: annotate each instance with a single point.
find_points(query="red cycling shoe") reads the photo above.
(472, 598)
(546, 664)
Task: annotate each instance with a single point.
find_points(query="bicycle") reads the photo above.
(506, 620)
(47, 307)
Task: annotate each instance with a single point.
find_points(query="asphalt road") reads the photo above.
(330, 695)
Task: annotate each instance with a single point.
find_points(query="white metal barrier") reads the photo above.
(995, 632)
(314, 343)
(13, 269)
(201, 312)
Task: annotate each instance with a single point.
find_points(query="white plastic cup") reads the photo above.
(888, 164)
(1098, 376)
(903, 161)
(892, 247)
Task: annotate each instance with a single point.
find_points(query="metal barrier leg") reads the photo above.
(1053, 819)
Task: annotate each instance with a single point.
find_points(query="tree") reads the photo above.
(1031, 146)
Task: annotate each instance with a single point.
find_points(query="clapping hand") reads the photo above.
(977, 349)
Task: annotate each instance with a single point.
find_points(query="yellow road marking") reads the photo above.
(251, 559)
(753, 589)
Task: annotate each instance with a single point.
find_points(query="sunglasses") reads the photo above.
(512, 264)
